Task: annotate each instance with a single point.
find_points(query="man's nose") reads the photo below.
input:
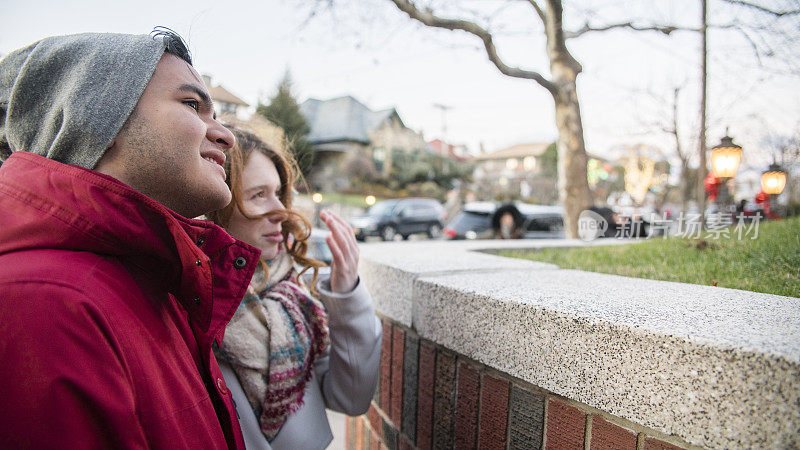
(219, 134)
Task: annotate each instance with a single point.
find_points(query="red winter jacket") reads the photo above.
(109, 303)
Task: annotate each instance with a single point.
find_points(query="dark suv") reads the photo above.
(400, 217)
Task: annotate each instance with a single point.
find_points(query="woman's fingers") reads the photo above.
(336, 252)
(344, 236)
(344, 268)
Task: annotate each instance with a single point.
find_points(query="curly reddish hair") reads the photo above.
(296, 228)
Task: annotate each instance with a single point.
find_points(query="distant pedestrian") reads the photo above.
(611, 218)
(508, 222)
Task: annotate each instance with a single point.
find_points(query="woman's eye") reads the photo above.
(194, 104)
(259, 194)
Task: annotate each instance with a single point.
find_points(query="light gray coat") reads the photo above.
(344, 378)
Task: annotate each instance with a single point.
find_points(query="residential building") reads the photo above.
(225, 102)
(515, 173)
(456, 152)
(347, 134)
(262, 127)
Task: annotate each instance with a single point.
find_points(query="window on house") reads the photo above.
(378, 158)
(511, 163)
(529, 163)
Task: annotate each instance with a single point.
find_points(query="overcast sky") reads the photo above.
(370, 50)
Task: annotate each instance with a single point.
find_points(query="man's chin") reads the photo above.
(224, 199)
(211, 202)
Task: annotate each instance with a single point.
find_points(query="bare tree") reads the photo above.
(564, 69)
(684, 155)
(574, 190)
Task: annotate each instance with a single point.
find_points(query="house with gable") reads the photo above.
(455, 152)
(515, 173)
(344, 131)
(225, 102)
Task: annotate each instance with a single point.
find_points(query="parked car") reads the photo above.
(400, 217)
(319, 250)
(318, 247)
(474, 221)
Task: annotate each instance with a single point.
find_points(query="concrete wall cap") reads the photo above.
(716, 367)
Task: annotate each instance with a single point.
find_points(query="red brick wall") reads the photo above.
(493, 413)
(386, 366)
(566, 426)
(398, 339)
(606, 435)
(480, 407)
(467, 400)
(427, 369)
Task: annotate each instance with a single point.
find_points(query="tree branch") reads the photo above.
(666, 29)
(763, 9)
(539, 11)
(429, 19)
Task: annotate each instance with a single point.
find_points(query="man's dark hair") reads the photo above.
(174, 43)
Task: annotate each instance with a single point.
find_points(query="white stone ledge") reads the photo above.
(718, 367)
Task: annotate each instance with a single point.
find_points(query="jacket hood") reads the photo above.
(67, 97)
(48, 205)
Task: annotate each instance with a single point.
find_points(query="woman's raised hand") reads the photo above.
(342, 242)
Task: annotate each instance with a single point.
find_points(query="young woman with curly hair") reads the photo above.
(287, 353)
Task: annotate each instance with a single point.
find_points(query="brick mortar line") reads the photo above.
(545, 416)
(641, 431)
(382, 415)
(587, 435)
(620, 422)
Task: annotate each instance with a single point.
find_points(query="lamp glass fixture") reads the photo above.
(725, 158)
(773, 180)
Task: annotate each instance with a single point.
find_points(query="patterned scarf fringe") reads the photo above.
(291, 358)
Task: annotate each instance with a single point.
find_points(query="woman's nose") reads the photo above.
(276, 218)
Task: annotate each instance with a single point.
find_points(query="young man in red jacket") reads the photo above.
(110, 297)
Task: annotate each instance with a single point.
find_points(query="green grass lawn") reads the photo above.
(770, 263)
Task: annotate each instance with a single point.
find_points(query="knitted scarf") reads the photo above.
(272, 342)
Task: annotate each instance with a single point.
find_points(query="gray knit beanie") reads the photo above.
(67, 97)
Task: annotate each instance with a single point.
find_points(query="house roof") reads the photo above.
(445, 149)
(516, 151)
(260, 126)
(342, 119)
(220, 94)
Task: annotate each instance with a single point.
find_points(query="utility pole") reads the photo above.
(701, 169)
(445, 144)
(444, 109)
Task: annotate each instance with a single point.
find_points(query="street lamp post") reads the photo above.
(317, 199)
(773, 180)
(725, 159)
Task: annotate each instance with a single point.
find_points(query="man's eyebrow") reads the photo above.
(204, 98)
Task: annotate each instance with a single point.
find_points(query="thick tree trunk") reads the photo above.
(573, 186)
